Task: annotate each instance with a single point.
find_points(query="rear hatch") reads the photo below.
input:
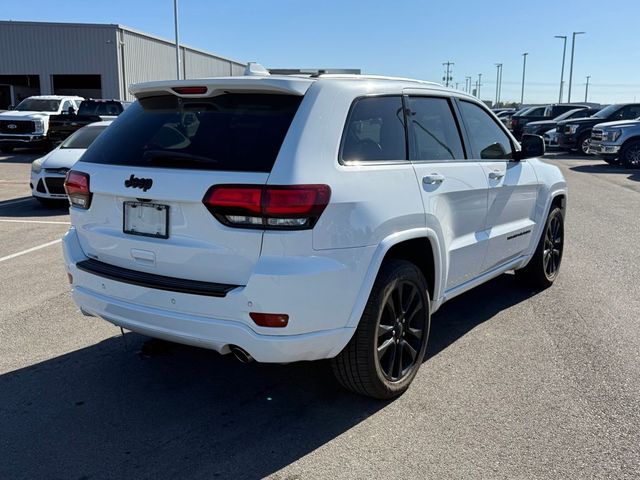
(152, 167)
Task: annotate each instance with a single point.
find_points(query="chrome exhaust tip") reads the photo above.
(240, 354)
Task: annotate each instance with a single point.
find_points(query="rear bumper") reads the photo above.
(318, 295)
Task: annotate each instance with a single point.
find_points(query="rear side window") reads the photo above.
(100, 108)
(375, 130)
(488, 140)
(231, 132)
(433, 130)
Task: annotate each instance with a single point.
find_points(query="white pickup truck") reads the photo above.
(27, 124)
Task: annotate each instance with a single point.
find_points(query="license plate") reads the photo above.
(146, 219)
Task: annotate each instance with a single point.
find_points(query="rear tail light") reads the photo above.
(290, 207)
(76, 184)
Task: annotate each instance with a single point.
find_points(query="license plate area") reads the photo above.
(146, 219)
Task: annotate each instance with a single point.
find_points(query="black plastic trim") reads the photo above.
(150, 280)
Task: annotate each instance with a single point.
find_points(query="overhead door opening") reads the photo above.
(15, 88)
(87, 86)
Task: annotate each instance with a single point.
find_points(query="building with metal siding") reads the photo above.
(92, 60)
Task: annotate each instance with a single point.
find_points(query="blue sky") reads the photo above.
(404, 38)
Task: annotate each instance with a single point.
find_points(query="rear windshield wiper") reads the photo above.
(168, 156)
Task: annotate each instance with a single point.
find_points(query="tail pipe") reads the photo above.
(241, 354)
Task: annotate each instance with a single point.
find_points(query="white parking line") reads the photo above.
(29, 250)
(13, 202)
(48, 222)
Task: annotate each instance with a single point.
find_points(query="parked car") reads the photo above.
(287, 218)
(506, 118)
(547, 112)
(575, 134)
(617, 142)
(48, 172)
(89, 111)
(27, 124)
(542, 126)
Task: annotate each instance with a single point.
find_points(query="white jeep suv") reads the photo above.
(301, 218)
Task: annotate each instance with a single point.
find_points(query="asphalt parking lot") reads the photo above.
(517, 384)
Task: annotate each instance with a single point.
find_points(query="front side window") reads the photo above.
(375, 130)
(433, 130)
(630, 112)
(488, 140)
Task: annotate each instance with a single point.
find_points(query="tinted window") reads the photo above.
(234, 132)
(83, 137)
(433, 131)
(375, 130)
(536, 112)
(630, 112)
(488, 140)
(100, 108)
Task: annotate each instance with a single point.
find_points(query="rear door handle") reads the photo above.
(496, 175)
(432, 179)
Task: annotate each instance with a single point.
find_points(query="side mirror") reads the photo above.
(531, 146)
(71, 111)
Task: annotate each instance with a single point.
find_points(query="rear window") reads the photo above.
(100, 108)
(231, 132)
(83, 137)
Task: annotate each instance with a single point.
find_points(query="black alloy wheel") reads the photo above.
(553, 243)
(401, 330)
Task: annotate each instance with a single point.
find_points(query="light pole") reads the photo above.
(175, 21)
(564, 53)
(498, 71)
(479, 83)
(467, 83)
(573, 46)
(524, 69)
(500, 88)
(586, 89)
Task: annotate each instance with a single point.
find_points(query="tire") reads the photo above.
(6, 149)
(630, 154)
(542, 270)
(367, 365)
(583, 143)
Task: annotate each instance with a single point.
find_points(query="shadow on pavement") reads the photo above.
(21, 156)
(123, 409)
(606, 168)
(28, 207)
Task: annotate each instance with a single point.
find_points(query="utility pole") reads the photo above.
(573, 46)
(175, 20)
(457, 83)
(467, 81)
(498, 69)
(524, 69)
(586, 89)
(479, 83)
(564, 53)
(447, 75)
(500, 87)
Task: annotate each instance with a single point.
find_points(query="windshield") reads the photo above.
(38, 105)
(99, 108)
(83, 137)
(233, 132)
(523, 111)
(606, 111)
(569, 114)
